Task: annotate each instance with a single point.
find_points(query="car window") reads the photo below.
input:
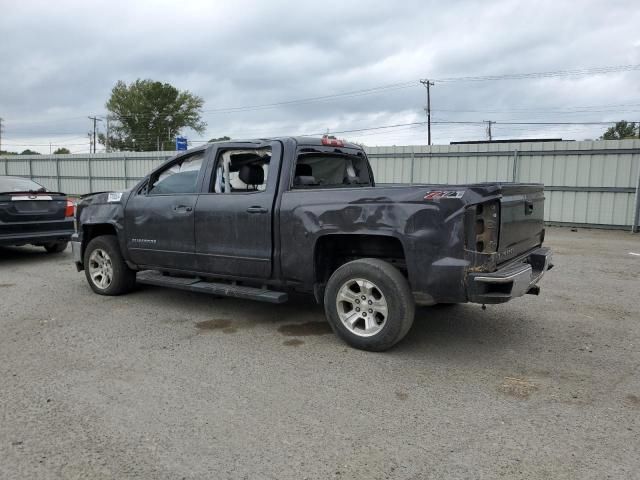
(17, 184)
(241, 171)
(180, 177)
(330, 170)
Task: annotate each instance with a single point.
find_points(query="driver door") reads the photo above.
(159, 217)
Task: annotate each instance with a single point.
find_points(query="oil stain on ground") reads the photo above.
(402, 395)
(633, 401)
(305, 329)
(293, 342)
(517, 387)
(223, 324)
(7, 285)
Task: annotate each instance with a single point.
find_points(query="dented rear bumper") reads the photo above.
(510, 281)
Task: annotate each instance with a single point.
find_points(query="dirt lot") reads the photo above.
(170, 384)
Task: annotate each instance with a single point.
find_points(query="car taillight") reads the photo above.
(332, 141)
(486, 227)
(70, 209)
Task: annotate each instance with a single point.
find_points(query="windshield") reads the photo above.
(17, 184)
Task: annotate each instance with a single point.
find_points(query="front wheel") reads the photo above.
(369, 304)
(56, 247)
(105, 269)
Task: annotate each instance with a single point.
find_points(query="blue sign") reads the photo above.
(181, 143)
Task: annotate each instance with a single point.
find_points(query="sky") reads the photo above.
(60, 60)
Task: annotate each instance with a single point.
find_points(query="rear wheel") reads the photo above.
(369, 304)
(105, 269)
(56, 247)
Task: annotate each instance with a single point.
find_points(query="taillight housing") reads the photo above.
(70, 209)
(486, 227)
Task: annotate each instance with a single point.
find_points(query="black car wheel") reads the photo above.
(369, 304)
(56, 247)
(105, 269)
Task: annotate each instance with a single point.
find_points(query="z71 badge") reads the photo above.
(436, 194)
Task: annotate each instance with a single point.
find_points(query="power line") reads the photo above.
(412, 83)
(549, 74)
(385, 127)
(401, 85)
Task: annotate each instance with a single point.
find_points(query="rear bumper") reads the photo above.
(36, 238)
(510, 281)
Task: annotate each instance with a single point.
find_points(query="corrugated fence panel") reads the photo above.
(590, 182)
(71, 167)
(76, 186)
(18, 168)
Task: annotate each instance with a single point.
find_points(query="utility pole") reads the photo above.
(1, 133)
(428, 83)
(489, 123)
(90, 141)
(106, 139)
(95, 119)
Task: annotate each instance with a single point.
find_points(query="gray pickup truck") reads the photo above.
(262, 218)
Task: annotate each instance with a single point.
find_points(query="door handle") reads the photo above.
(182, 208)
(256, 209)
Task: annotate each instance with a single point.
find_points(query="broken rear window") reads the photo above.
(331, 170)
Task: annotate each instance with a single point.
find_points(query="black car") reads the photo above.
(29, 214)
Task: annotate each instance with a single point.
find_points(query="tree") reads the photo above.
(4, 152)
(219, 139)
(29, 152)
(61, 151)
(148, 115)
(622, 129)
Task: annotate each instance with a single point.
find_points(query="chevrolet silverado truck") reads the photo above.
(261, 219)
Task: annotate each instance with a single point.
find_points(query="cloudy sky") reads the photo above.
(61, 59)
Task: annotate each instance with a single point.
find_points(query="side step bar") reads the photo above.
(152, 277)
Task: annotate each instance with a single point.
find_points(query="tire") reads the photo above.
(105, 269)
(56, 247)
(380, 283)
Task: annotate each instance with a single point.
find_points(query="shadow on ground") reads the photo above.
(464, 326)
(29, 254)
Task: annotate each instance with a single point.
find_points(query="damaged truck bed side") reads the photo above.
(259, 219)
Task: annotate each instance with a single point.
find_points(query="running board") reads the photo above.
(152, 277)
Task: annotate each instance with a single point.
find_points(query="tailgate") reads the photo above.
(521, 219)
(25, 207)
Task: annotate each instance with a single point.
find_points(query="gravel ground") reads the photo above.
(169, 384)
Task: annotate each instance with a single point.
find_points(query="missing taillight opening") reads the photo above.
(486, 227)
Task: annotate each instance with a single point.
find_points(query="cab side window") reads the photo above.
(241, 171)
(180, 177)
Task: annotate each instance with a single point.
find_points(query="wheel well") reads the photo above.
(332, 251)
(89, 232)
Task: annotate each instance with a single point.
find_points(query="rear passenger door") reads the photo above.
(234, 213)
(159, 216)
